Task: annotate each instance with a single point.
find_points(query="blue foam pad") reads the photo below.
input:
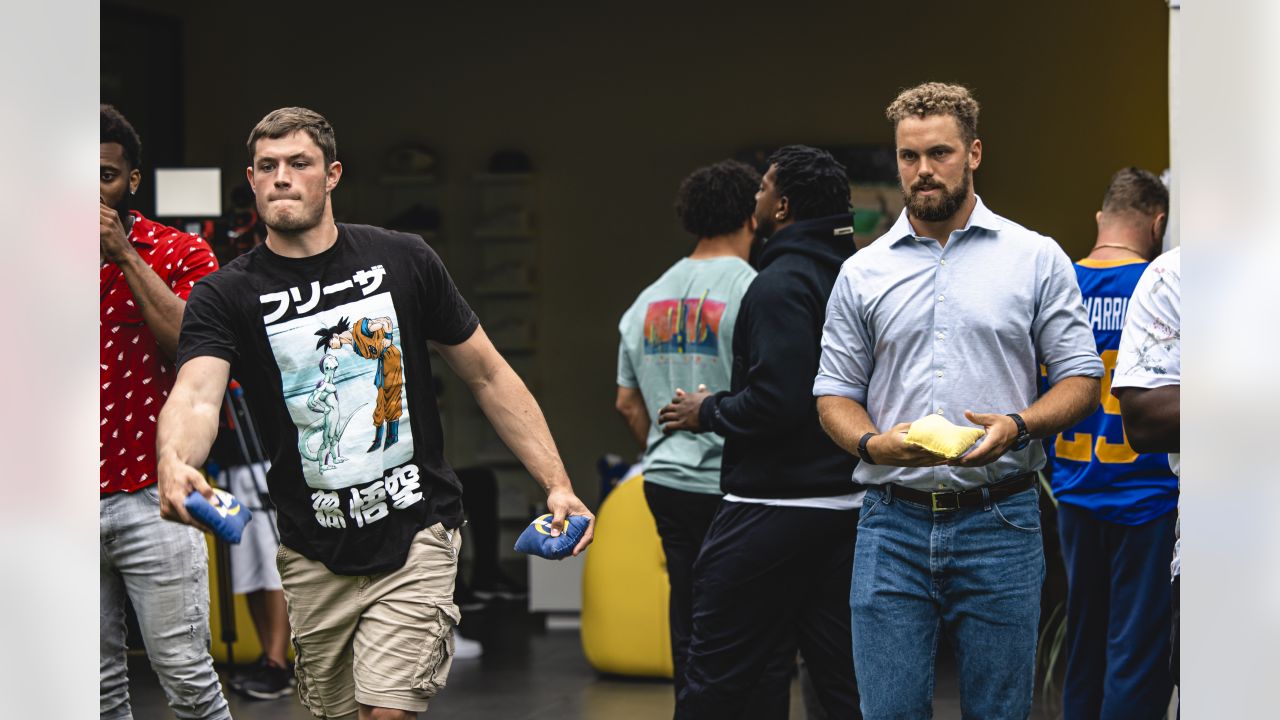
(225, 516)
(536, 539)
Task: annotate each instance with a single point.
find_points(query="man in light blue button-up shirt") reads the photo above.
(950, 312)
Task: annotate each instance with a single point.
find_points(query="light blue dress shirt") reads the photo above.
(915, 328)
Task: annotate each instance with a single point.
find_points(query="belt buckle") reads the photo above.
(955, 502)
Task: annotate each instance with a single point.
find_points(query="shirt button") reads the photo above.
(941, 298)
(939, 411)
(939, 336)
(943, 261)
(938, 373)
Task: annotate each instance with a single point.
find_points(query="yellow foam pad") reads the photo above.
(941, 437)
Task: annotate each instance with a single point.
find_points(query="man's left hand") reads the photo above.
(1002, 431)
(562, 502)
(113, 242)
(682, 412)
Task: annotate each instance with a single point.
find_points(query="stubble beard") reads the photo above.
(942, 208)
(765, 227)
(122, 209)
(286, 222)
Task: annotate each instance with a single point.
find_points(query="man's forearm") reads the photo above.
(161, 309)
(637, 420)
(1152, 418)
(186, 429)
(630, 405)
(520, 423)
(845, 421)
(1068, 402)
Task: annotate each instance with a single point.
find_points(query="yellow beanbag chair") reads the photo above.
(940, 437)
(625, 590)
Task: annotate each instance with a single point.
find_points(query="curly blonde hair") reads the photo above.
(933, 98)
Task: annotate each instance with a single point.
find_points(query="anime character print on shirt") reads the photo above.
(343, 380)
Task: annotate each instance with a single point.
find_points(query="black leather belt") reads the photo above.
(948, 501)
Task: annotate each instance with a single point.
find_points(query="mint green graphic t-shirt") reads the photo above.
(679, 334)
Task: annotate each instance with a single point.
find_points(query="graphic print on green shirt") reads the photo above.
(679, 334)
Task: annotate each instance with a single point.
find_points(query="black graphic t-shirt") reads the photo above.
(332, 353)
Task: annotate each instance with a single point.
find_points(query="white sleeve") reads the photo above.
(1150, 349)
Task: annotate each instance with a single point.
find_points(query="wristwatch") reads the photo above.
(1024, 438)
(862, 448)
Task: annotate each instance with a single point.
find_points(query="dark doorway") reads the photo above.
(141, 74)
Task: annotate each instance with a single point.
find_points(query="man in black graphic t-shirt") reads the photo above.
(306, 323)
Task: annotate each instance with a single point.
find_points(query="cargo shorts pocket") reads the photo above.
(436, 658)
(305, 694)
(282, 558)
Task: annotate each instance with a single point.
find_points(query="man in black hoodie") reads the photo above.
(775, 566)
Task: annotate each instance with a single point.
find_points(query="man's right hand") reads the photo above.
(682, 413)
(891, 448)
(113, 240)
(562, 502)
(177, 480)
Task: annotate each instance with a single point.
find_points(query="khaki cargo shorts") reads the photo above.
(381, 640)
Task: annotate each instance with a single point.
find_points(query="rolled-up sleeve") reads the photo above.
(844, 368)
(1063, 340)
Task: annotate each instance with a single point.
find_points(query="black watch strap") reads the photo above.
(862, 448)
(1024, 437)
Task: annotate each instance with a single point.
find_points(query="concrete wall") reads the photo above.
(616, 104)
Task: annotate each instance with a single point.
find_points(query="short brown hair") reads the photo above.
(1137, 190)
(933, 98)
(286, 121)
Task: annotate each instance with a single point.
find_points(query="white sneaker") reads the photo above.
(464, 649)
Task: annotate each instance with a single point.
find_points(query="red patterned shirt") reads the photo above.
(135, 377)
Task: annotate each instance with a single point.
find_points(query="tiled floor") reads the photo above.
(526, 673)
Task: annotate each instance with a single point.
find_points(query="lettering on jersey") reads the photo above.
(369, 281)
(1106, 313)
(683, 326)
(1083, 447)
(369, 504)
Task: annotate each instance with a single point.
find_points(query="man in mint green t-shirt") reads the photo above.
(678, 336)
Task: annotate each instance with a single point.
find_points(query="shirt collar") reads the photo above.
(981, 217)
(143, 230)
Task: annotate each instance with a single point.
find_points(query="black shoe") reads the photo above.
(267, 683)
(241, 673)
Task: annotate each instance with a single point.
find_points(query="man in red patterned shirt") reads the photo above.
(148, 270)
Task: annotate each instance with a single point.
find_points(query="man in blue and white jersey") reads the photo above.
(1116, 507)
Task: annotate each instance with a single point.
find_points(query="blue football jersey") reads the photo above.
(1093, 466)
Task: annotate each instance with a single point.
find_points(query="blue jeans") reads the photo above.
(163, 567)
(976, 574)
